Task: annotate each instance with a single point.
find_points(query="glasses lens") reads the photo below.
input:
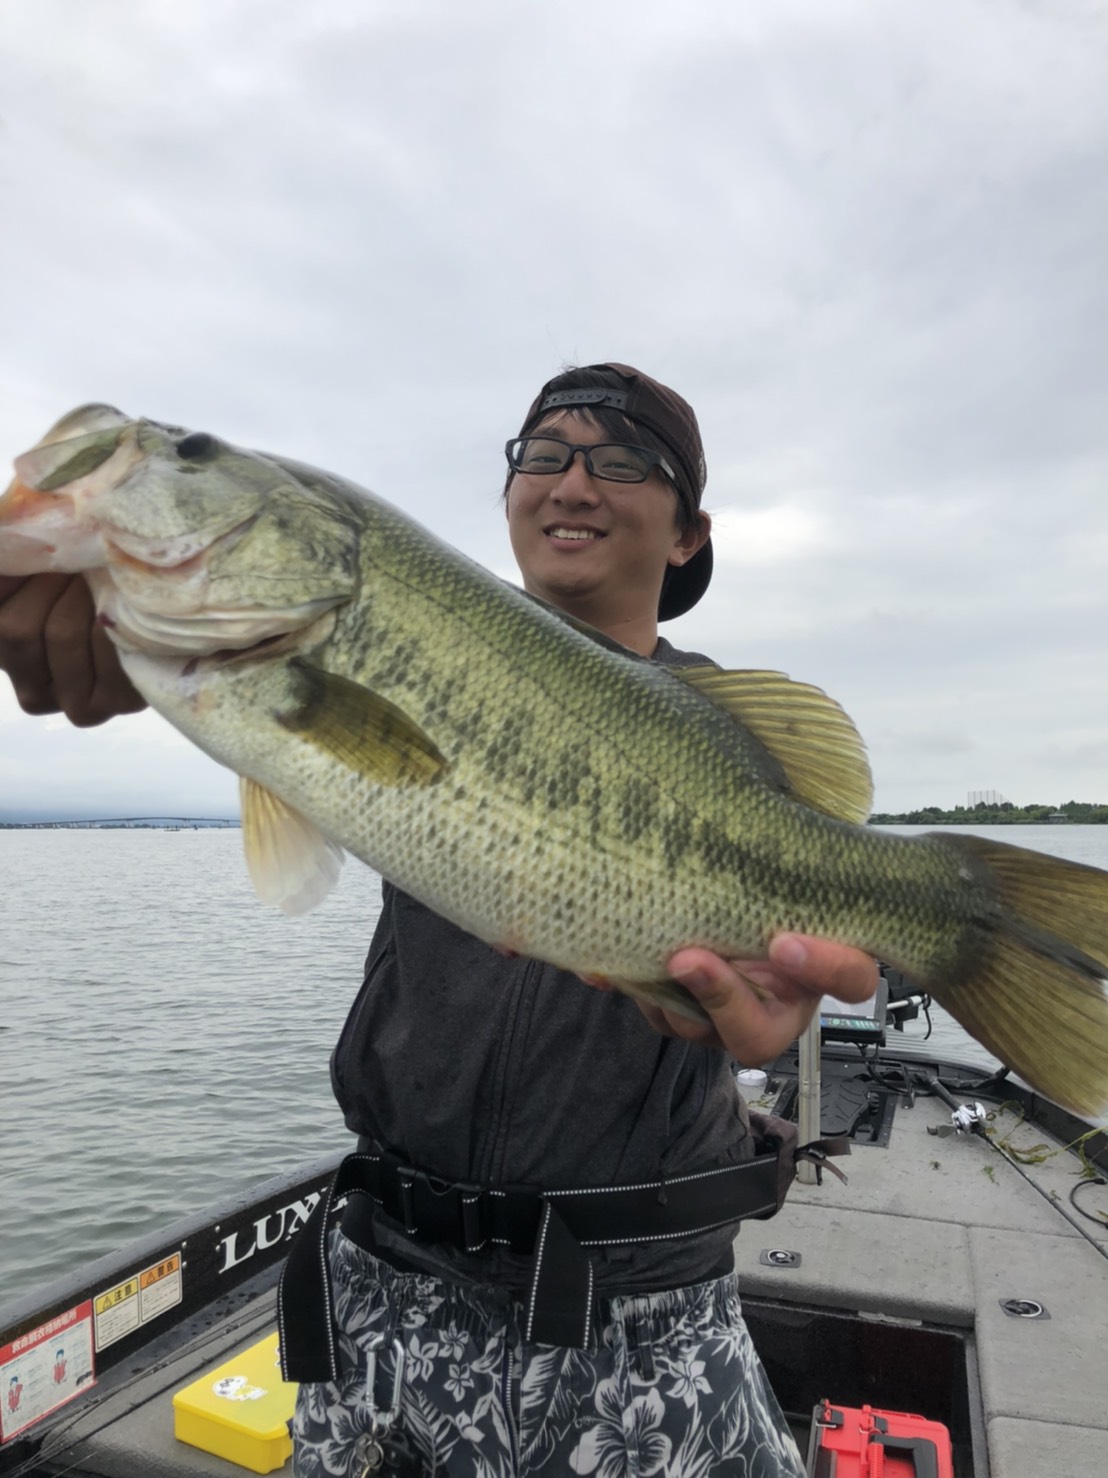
(612, 460)
(619, 463)
(539, 454)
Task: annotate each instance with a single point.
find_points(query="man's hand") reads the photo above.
(58, 658)
(759, 1006)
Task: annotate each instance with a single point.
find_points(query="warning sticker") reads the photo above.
(159, 1287)
(45, 1368)
(117, 1312)
(142, 1297)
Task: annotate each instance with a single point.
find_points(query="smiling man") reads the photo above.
(490, 1074)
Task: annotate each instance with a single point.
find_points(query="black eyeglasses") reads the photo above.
(614, 461)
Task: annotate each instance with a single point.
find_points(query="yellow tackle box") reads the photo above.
(240, 1410)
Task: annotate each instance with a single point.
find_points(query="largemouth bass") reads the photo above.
(520, 773)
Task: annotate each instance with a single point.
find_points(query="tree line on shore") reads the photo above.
(1005, 814)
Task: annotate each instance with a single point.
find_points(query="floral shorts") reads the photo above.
(673, 1385)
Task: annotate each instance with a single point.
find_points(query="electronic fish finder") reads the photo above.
(862, 1022)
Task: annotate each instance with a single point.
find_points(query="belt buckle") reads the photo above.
(405, 1180)
(438, 1210)
(473, 1221)
(521, 1213)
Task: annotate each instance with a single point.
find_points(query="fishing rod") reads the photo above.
(971, 1119)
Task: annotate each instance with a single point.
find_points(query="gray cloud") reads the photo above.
(866, 241)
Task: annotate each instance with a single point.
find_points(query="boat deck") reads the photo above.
(943, 1231)
(919, 1252)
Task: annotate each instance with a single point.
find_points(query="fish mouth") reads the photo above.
(20, 501)
(20, 504)
(37, 534)
(44, 513)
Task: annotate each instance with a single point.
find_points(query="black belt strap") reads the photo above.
(559, 1304)
(554, 1226)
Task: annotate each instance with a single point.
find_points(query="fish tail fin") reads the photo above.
(1039, 1000)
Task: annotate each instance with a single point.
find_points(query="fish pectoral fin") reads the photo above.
(811, 737)
(291, 863)
(360, 729)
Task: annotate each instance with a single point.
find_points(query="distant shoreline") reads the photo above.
(1073, 813)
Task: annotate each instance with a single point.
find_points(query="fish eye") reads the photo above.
(197, 446)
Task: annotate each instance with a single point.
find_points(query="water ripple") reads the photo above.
(167, 1038)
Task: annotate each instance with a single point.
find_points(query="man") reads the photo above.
(469, 1075)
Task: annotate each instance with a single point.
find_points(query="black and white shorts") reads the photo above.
(672, 1387)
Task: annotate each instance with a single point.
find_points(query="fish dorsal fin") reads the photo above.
(291, 863)
(360, 729)
(814, 741)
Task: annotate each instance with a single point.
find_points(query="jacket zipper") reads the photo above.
(493, 1156)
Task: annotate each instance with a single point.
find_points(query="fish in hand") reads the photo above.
(521, 774)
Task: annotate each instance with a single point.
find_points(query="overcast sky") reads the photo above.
(867, 240)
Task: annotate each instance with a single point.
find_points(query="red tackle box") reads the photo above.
(864, 1442)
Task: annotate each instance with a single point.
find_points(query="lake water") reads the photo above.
(164, 1039)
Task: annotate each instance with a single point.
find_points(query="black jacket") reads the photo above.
(507, 1071)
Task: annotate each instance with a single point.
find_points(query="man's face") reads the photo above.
(595, 547)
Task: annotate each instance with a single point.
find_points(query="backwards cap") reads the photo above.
(657, 408)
